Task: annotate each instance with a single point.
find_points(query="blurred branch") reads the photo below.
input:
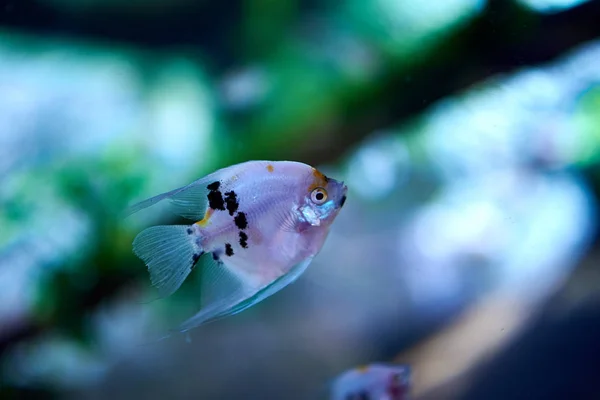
(505, 37)
(486, 352)
(199, 25)
(558, 352)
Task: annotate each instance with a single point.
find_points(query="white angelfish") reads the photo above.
(262, 221)
(376, 381)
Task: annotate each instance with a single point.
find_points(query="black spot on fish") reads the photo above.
(231, 201)
(228, 249)
(216, 256)
(243, 240)
(190, 231)
(214, 186)
(240, 220)
(342, 201)
(215, 200)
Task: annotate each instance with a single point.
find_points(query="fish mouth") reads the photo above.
(343, 198)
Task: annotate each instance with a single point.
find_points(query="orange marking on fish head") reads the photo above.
(319, 180)
(362, 369)
(270, 168)
(204, 221)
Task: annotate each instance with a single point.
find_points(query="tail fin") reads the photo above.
(170, 252)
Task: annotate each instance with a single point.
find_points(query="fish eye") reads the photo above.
(318, 196)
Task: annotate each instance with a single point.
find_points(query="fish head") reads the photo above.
(374, 381)
(324, 198)
(398, 381)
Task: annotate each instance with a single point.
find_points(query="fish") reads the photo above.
(262, 222)
(377, 381)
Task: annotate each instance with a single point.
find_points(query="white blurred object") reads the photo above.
(552, 6)
(373, 381)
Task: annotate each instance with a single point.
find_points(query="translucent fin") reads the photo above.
(236, 296)
(150, 202)
(188, 201)
(272, 288)
(220, 290)
(170, 252)
(218, 283)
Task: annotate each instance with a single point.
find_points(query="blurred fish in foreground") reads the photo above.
(373, 382)
(263, 222)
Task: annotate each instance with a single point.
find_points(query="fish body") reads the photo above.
(261, 221)
(373, 382)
